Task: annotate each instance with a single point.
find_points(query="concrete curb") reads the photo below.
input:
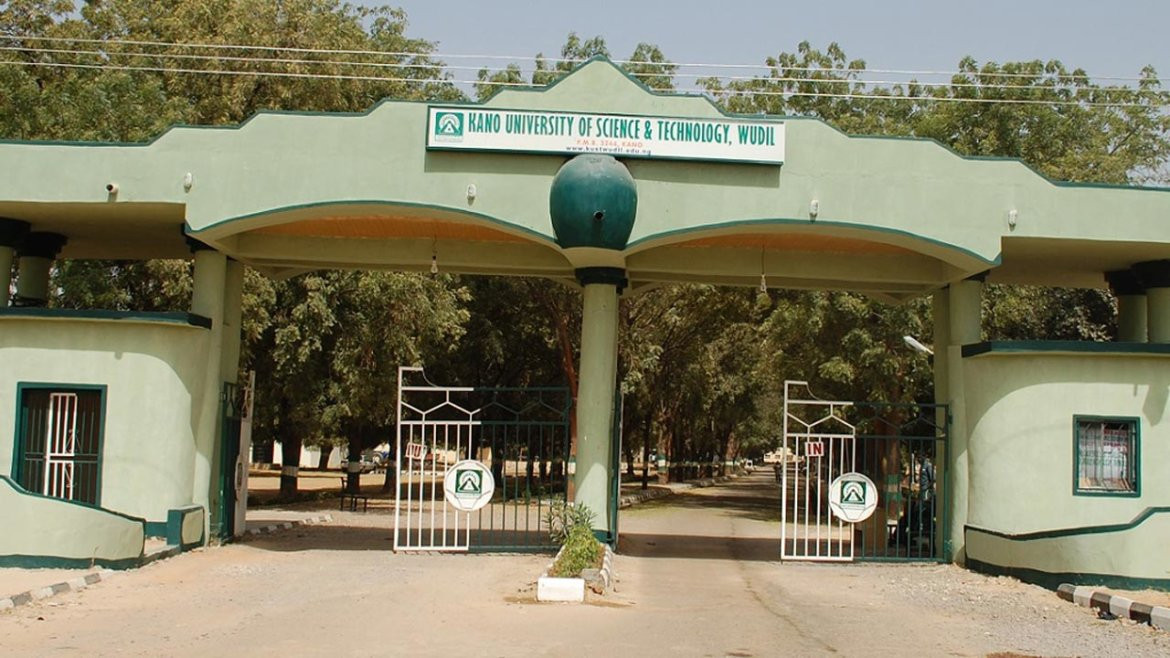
(286, 525)
(71, 585)
(1154, 615)
(644, 495)
(607, 569)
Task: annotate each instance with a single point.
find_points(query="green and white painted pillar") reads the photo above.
(36, 254)
(12, 232)
(1155, 276)
(964, 320)
(207, 299)
(592, 203)
(1131, 305)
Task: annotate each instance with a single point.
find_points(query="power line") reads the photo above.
(523, 58)
(1054, 85)
(699, 90)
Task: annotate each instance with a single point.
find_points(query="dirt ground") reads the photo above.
(698, 575)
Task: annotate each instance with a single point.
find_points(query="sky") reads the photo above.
(1104, 38)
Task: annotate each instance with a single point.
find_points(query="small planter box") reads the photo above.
(572, 590)
(564, 590)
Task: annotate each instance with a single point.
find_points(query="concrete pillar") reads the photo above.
(595, 392)
(1131, 305)
(964, 302)
(210, 282)
(1155, 276)
(965, 311)
(940, 311)
(229, 373)
(232, 317)
(36, 254)
(12, 232)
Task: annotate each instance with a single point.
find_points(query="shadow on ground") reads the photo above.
(700, 547)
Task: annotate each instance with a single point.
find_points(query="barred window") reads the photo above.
(59, 441)
(1107, 456)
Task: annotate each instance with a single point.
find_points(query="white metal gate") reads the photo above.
(430, 440)
(819, 445)
(520, 434)
(60, 445)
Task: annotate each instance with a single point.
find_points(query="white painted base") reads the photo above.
(566, 590)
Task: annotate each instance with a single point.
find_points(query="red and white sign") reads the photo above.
(415, 451)
(814, 449)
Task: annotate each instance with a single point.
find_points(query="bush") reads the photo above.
(571, 526)
(562, 517)
(581, 551)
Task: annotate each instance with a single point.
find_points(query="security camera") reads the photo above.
(112, 188)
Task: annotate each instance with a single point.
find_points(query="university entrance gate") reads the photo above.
(898, 446)
(520, 434)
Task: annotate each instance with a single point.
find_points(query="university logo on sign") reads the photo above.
(468, 485)
(468, 482)
(852, 497)
(853, 493)
(448, 126)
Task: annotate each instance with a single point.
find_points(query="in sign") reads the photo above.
(814, 449)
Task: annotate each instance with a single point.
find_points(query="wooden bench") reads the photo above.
(352, 498)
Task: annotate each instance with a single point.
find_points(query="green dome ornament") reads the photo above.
(592, 202)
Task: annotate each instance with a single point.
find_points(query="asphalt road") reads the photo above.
(698, 575)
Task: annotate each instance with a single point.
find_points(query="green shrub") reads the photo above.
(562, 517)
(581, 551)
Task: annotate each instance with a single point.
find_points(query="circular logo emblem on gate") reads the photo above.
(852, 497)
(468, 485)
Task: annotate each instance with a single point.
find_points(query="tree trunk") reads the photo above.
(647, 425)
(568, 365)
(290, 451)
(353, 479)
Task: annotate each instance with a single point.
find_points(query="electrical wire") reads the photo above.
(1054, 85)
(522, 58)
(490, 83)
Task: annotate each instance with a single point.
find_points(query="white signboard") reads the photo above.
(531, 131)
(415, 451)
(814, 449)
(852, 497)
(468, 485)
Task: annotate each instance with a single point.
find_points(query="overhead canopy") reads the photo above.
(810, 208)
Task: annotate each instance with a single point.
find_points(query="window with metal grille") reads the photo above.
(1106, 456)
(59, 441)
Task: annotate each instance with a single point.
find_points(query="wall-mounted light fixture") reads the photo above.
(914, 344)
(814, 209)
(1013, 217)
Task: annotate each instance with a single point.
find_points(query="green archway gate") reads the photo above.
(677, 192)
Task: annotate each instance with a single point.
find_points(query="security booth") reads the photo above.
(603, 184)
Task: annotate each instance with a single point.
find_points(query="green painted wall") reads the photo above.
(1136, 554)
(1019, 415)
(44, 528)
(154, 377)
(908, 192)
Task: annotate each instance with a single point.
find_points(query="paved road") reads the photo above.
(698, 576)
